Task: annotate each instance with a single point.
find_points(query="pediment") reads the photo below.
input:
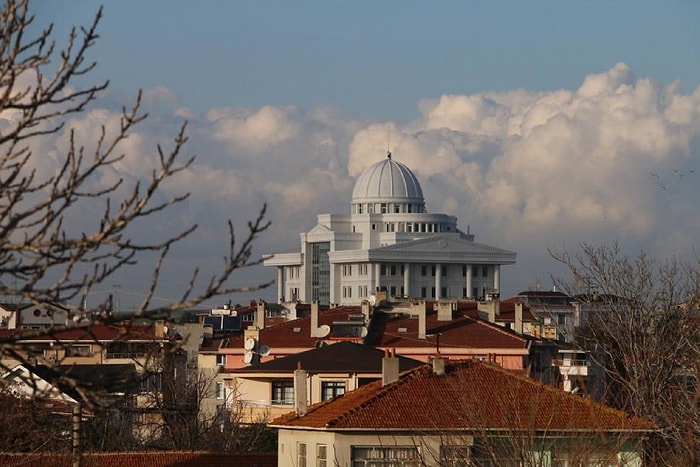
(447, 246)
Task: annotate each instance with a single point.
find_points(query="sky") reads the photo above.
(540, 124)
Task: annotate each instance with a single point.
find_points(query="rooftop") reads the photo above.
(470, 395)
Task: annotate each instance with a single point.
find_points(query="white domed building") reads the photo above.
(388, 242)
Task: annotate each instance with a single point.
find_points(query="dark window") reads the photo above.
(464, 271)
(432, 270)
(475, 271)
(423, 271)
(432, 292)
(332, 389)
(485, 271)
(393, 269)
(444, 271)
(382, 270)
(283, 392)
(443, 292)
(422, 292)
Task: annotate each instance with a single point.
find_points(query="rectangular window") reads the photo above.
(332, 389)
(475, 271)
(423, 291)
(393, 269)
(444, 271)
(464, 271)
(301, 454)
(485, 271)
(392, 290)
(455, 456)
(382, 270)
(432, 271)
(219, 390)
(423, 271)
(221, 360)
(404, 456)
(383, 208)
(283, 392)
(397, 208)
(321, 455)
(432, 292)
(443, 292)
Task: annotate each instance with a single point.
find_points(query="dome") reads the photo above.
(388, 181)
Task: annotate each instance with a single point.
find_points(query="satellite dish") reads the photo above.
(249, 344)
(372, 300)
(264, 350)
(247, 358)
(323, 330)
(363, 332)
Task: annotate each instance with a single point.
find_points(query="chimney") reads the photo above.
(444, 311)
(490, 309)
(314, 317)
(418, 309)
(518, 324)
(260, 315)
(438, 365)
(300, 391)
(365, 310)
(390, 368)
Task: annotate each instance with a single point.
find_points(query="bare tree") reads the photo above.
(641, 320)
(44, 258)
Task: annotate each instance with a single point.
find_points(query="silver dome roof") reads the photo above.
(387, 181)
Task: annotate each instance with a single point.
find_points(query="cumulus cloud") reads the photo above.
(617, 159)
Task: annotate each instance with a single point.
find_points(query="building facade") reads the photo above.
(388, 242)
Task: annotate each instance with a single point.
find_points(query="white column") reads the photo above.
(469, 281)
(280, 282)
(406, 279)
(497, 277)
(334, 289)
(438, 277)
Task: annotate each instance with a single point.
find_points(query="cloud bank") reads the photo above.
(617, 159)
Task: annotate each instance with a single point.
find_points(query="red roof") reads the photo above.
(470, 395)
(96, 332)
(462, 331)
(296, 333)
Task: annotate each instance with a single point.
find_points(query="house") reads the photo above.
(459, 413)
(554, 312)
(265, 390)
(388, 242)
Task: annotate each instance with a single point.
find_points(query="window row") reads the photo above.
(293, 272)
(283, 391)
(386, 208)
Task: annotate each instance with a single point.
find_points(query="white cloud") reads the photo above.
(616, 159)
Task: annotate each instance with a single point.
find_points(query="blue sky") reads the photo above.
(379, 58)
(539, 124)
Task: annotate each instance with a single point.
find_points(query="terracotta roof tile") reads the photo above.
(462, 331)
(339, 357)
(470, 395)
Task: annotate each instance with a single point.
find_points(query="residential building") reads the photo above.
(388, 242)
(459, 413)
(264, 390)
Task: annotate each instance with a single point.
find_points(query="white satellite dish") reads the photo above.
(249, 344)
(372, 300)
(323, 330)
(363, 332)
(247, 358)
(264, 350)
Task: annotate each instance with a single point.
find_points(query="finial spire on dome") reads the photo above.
(388, 154)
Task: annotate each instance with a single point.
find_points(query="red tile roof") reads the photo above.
(95, 332)
(296, 333)
(470, 395)
(462, 331)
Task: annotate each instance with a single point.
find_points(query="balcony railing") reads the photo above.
(569, 362)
